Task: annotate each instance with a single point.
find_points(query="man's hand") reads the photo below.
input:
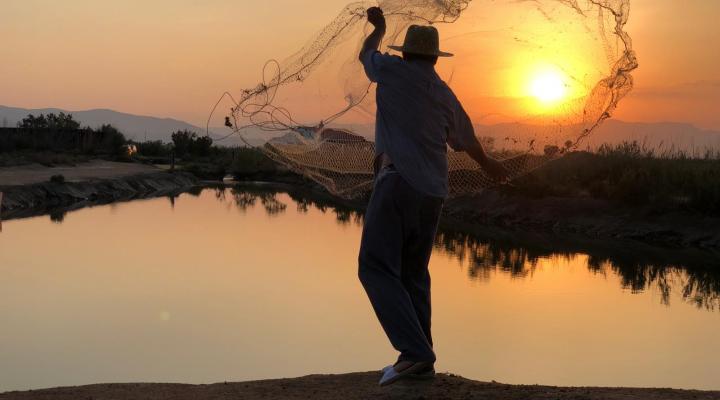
(376, 17)
(372, 42)
(496, 170)
(492, 167)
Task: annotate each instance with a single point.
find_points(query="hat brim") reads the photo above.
(438, 53)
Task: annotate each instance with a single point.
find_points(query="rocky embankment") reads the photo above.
(39, 198)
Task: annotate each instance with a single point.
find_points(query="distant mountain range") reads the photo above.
(135, 127)
(664, 135)
(668, 134)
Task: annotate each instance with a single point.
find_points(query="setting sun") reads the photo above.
(548, 86)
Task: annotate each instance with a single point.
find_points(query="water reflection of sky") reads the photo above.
(249, 284)
(481, 255)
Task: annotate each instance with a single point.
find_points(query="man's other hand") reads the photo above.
(496, 170)
(375, 16)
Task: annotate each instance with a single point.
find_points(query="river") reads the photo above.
(240, 284)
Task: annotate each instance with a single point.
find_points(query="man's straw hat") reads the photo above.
(423, 40)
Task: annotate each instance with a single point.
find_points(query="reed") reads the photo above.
(630, 174)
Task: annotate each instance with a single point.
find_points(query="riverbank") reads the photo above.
(29, 191)
(93, 169)
(500, 212)
(587, 217)
(359, 385)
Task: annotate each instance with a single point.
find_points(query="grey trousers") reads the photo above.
(397, 240)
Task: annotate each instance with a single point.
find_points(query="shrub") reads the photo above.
(154, 149)
(249, 162)
(207, 171)
(627, 174)
(189, 143)
(60, 133)
(57, 179)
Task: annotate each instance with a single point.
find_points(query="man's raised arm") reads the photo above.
(375, 16)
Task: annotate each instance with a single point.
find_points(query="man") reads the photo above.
(418, 116)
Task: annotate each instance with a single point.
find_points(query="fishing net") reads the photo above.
(536, 77)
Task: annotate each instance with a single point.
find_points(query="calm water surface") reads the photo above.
(236, 285)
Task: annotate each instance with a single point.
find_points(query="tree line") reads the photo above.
(62, 133)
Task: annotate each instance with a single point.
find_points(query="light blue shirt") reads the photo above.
(418, 116)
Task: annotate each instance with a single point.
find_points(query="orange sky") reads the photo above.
(173, 58)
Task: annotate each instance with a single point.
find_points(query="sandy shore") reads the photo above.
(360, 385)
(96, 169)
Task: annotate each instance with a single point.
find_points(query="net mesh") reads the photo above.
(537, 77)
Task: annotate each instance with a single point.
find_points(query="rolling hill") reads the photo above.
(135, 127)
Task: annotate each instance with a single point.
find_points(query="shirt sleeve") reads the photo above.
(376, 64)
(462, 134)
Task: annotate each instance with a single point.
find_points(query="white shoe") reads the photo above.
(391, 376)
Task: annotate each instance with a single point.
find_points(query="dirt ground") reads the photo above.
(360, 385)
(96, 169)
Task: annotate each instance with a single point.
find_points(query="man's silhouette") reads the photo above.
(418, 116)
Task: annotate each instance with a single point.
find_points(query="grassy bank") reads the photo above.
(629, 175)
(626, 175)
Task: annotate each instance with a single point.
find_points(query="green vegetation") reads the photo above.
(155, 148)
(57, 139)
(250, 163)
(52, 140)
(189, 143)
(242, 163)
(60, 133)
(628, 174)
(197, 155)
(185, 145)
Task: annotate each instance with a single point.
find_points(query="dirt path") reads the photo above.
(361, 385)
(96, 169)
